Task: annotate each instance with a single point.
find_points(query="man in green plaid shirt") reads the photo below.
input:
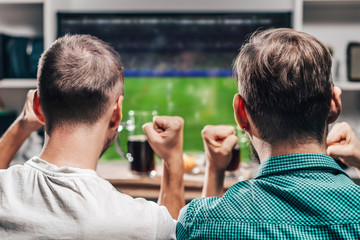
(286, 100)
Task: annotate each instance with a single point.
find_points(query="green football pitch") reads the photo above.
(199, 100)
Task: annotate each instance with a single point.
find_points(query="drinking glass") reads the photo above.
(140, 154)
(235, 156)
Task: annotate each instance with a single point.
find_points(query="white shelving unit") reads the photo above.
(348, 86)
(17, 83)
(20, 18)
(336, 23)
(21, 1)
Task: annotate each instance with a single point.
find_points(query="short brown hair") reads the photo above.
(77, 77)
(284, 77)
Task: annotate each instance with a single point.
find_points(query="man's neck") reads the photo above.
(75, 147)
(266, 150)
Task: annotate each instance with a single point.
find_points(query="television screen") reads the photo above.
(176, 63)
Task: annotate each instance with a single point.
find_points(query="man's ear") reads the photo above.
(117, 113)
(335, 106)
(37, 108)
(240, 112)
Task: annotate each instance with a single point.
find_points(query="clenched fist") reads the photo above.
(343, 143)
(218, 143)
(165, 136)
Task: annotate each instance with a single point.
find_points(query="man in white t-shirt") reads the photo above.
(58, 194)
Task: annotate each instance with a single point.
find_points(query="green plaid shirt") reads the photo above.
(300, 196)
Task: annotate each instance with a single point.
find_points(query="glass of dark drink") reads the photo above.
(235, 159)
(140, 154)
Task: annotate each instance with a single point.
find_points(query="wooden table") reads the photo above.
(119, 175)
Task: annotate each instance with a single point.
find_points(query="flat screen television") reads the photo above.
(176, 63)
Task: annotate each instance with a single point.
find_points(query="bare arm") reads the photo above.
(218, 143)
(343, 144)
(165, 136)
(18, 132)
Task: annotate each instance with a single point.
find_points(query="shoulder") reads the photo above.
(149, 215)
(212, 209)
(14, 171)
(198, 207)
(194, 214)
(187, 217)
(148, 219)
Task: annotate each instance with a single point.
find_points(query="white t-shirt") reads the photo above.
(39, 200)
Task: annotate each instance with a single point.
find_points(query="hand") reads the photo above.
(165, 136)
(343, 143)
(218, 143)
(27, 118)
(18, 132)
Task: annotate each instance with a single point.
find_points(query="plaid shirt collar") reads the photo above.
(290, 163)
